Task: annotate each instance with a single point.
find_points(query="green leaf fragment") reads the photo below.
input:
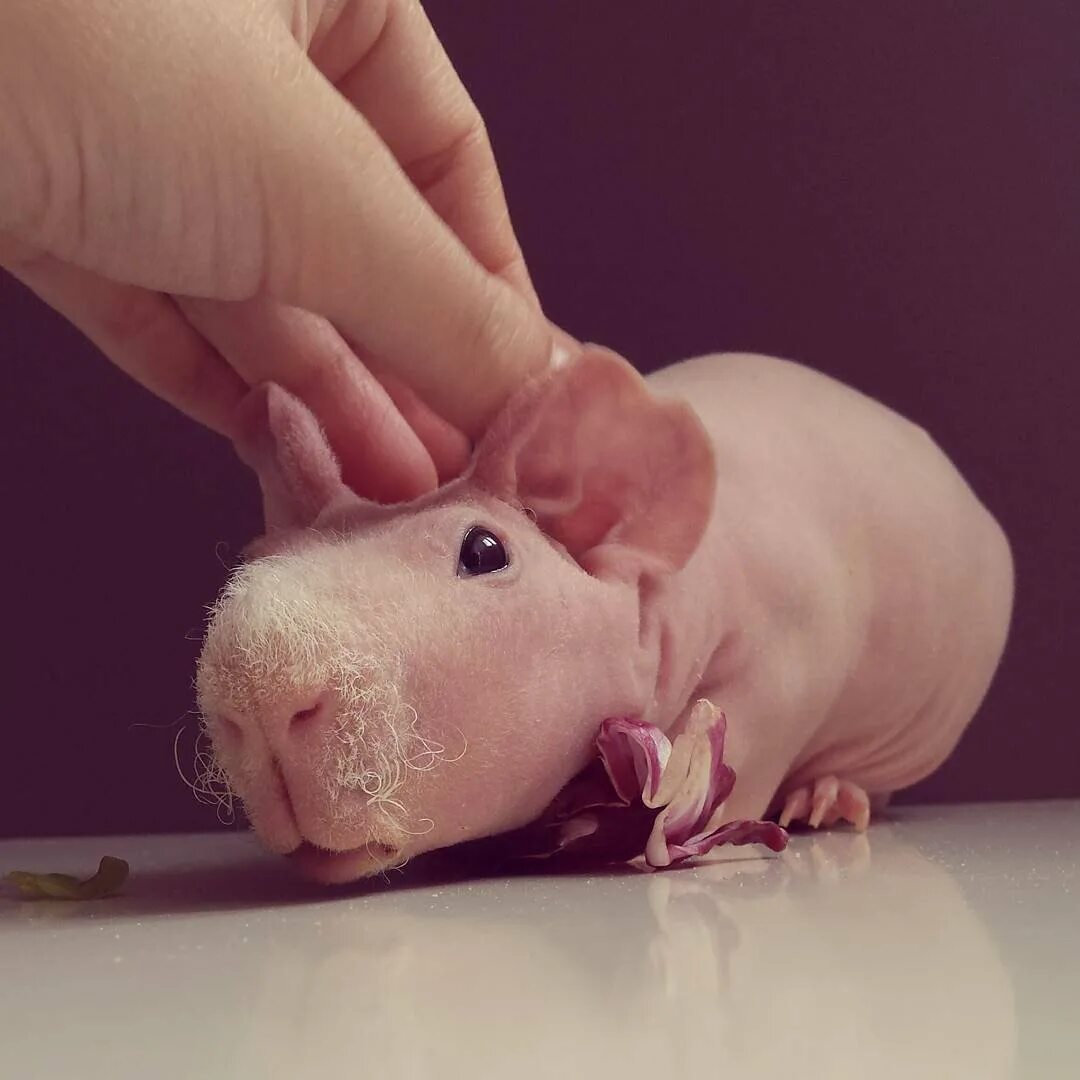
(109, 879)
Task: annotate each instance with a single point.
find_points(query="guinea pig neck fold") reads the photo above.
(686, 641)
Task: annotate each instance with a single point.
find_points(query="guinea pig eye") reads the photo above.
(482, 552)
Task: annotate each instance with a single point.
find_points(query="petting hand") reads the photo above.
(224, 192)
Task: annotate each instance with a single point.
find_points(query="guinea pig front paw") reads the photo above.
(826, 802)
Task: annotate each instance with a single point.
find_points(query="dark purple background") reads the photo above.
(886, 192)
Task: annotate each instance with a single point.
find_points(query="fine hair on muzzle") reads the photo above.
(273, 636)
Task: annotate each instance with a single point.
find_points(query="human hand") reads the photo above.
(225, 193)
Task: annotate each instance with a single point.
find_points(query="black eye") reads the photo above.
(482, 552)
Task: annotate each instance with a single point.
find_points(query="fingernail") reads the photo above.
(560, 356)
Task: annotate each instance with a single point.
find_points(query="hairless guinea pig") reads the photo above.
(380, 681)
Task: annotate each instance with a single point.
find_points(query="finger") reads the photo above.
(348, 236)
(381, 457)
(254, 176)
(387, 60)
(448, 446)
(143, 333)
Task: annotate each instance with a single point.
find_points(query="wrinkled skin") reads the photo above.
(737, 528)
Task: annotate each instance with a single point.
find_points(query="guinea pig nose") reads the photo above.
(310, 709)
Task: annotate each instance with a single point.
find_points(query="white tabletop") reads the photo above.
(945, 943)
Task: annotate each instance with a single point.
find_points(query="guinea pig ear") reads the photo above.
(622, 478)
(278, 437)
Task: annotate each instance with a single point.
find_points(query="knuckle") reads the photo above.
(32, 181)
(132, 316)
(469, 140)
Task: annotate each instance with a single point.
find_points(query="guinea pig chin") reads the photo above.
(310, 726)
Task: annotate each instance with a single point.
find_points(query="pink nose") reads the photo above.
(285, 723)
(307, 713)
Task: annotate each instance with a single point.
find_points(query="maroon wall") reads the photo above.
(886, 192)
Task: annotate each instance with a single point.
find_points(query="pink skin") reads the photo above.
(785, 547)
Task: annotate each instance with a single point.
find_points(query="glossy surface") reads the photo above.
(945, 943)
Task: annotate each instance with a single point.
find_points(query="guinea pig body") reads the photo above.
(382, 681)
(866, 591)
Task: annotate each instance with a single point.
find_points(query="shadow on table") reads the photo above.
(223, 872)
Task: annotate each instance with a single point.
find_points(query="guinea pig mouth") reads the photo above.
(338, 867)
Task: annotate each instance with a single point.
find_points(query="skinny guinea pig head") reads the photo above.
(379, 681)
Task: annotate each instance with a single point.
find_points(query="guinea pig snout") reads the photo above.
(285, 721)
(303, 695)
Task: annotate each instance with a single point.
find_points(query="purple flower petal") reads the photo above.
(634, 754)
(736, 833)
(695, 786)
(647, 796)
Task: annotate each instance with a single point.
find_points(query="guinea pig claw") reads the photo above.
(796, 807)
(824, 803)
